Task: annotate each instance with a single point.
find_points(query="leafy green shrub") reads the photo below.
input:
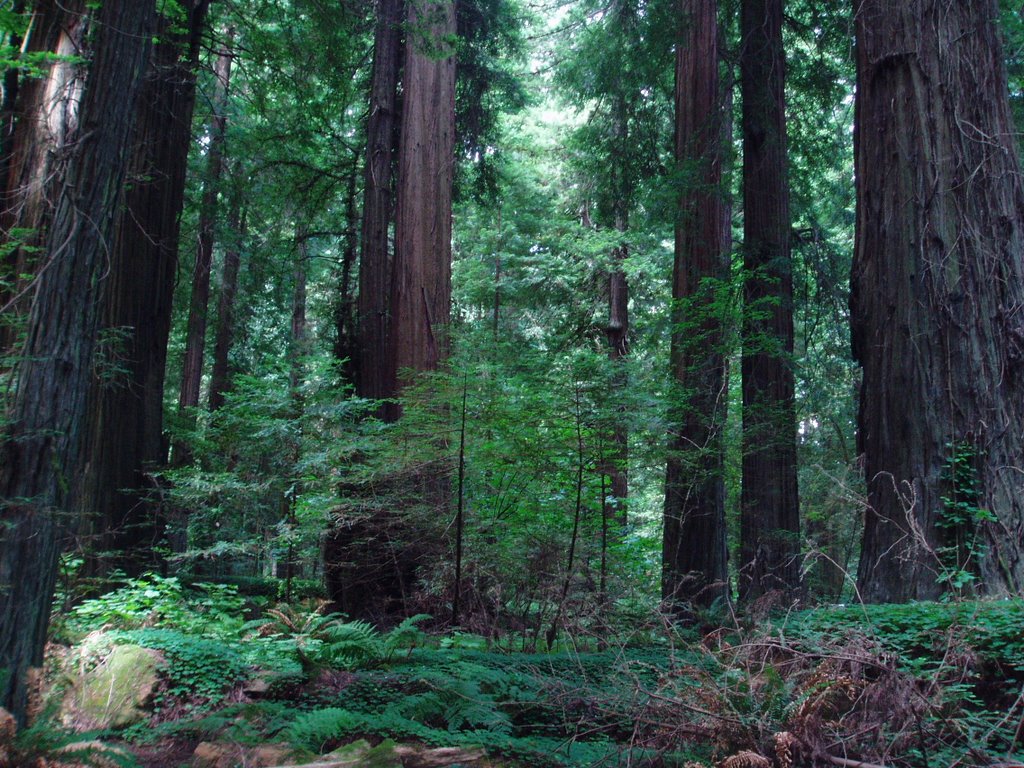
(261, 587)
(555, 709)
(46, 743)
(921, 633)
(199, 670)
(155, 601)
(464, 640)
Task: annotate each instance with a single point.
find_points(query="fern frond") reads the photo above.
(406, 634)
(313, 729)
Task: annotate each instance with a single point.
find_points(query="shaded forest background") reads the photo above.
(541, 318)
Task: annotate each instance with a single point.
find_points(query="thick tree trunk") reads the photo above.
(694, 544)
(220, 372)
(126, 442)
(374, 380)
(421, 279)
(937, 297)
(46, 115)
(419, 301)
(195, 336)
(44, 446)
(770, 518)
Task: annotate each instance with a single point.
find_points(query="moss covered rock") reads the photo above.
(116, 692)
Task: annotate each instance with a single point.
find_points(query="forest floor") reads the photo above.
(920, 685)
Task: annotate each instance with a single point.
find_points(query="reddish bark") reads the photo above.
(421, 279)
(770, 516)
(694, 552)
(44, 118)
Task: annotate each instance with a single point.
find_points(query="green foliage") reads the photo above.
(544, 709)
(489, 85)
(266, 471)
(156, 601)
(259, 588)
(331, 641)
(960, 518)
(923, 634)
(199, 670)
(44, 742)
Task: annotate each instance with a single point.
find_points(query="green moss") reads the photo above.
(115, 694)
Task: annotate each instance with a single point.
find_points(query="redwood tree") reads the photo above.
(421, 278)
(694, 546)
(938, 301)
(371, 368)
(43, 451)
(770, 520)
(35, 142)
(127, 440)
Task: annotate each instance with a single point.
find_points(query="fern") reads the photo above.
(315, 729)
(405, 635)
(349, 644)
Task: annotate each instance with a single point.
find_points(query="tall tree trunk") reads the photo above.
(43, 451)
(195, 337)
(296, 363)
(770, 518)
(220, 372)
(937, 297)
(126, 440)
(45, 117)
(617, 331)
(372, 373)
(694, 545)
(421, 279)
(346, 340)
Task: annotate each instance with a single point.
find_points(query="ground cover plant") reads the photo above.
(897, 686)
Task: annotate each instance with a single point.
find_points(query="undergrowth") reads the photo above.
(927, 684)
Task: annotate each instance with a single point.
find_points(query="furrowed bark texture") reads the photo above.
(45, 117)
(127, 400)
(43, 453)
(373, 377)
(421, 280)
(937, 290)
(694, 553)
(770, 519)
